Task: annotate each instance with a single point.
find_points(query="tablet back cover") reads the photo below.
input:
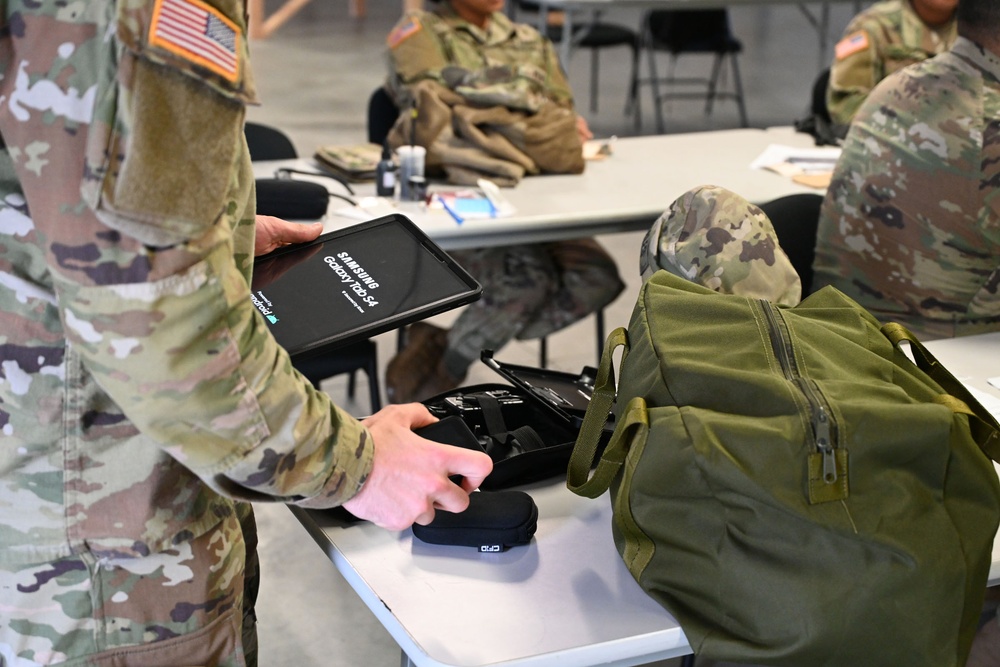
(355, 283)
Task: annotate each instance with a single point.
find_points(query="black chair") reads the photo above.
(693, 31)
(795, 219)
(543, 343)
(595, 35)
(269, 143)
(382, 115)
(818, 102)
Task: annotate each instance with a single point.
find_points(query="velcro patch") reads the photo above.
(851, 45)
(401, 32)
(198, 33)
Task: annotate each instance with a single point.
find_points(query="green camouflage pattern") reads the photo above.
(534, 290)
(895, 37)
(181, 606)
(140, 391)
(910, 226)
(506, 64)
(717, 239)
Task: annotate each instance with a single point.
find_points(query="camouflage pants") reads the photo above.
(178, 607)
(718, 239)
(530, 291)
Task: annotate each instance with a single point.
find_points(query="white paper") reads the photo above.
(367, 208)
(803, 160)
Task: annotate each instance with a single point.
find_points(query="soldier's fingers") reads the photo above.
(453, 500)
(471, 465)
(424, 518)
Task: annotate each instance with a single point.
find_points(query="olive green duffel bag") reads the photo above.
(789, 485)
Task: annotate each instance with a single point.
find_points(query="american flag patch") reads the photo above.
(851, 45)
(403, 31)
(198, 33)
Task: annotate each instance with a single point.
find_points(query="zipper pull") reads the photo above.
(821, 424)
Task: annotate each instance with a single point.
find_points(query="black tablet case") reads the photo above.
(528, 427)
(355, 283)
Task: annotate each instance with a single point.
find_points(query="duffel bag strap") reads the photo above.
(594, 420)
(982, 424)
(633, 426)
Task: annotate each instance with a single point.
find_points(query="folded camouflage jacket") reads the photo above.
(466, 140)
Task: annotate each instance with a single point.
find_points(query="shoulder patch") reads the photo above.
(402, 31)
(851, 44)
(198, 33)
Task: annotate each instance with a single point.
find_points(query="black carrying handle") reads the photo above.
(633, 423)
(983, 425)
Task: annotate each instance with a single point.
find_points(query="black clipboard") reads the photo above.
(355, 283)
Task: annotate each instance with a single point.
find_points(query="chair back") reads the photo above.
(818, 104)
(795, 219)
(382, 115)
(691, 30)
(268, 143)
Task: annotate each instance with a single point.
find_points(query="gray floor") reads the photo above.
(314, 77)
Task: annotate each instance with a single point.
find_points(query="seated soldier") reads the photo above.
(910, 225)
(881, 40)
(476, 54)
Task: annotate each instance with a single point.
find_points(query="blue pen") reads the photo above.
(452, 212)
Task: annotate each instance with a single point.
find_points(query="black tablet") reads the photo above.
(354, 283)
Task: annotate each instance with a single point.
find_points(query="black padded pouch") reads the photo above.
(292, 200)
(494, 521)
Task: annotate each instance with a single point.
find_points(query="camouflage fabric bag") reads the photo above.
(789, 485)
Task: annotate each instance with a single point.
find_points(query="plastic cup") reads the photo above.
(411, 163)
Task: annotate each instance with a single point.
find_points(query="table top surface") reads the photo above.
(564, 599)
(624, 192)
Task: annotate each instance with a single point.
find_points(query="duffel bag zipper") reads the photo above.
(824, 426)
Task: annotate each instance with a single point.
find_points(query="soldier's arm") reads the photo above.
(558, 86)
(855, 71)
(415, 52)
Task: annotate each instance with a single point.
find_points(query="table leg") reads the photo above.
(822, 27)
(566, 45)
(404, 660)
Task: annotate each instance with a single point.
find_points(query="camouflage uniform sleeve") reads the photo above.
(155, 306)
(855, 71)
(415, 53)
(558, 85)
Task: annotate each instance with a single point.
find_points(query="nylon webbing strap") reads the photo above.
(982, 423)
(594, 420)
(496, 427)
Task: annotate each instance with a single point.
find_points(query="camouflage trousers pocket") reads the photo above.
(218, 644)
(182, 606)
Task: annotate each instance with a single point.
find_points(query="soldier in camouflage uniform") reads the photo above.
(142, 399)
(881, 40)
(498, 63)
(910, 226)
(529, 291)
